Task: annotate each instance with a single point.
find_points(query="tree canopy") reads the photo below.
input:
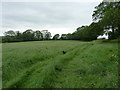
(108, 15)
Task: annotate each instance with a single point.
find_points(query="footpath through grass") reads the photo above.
(43, 65)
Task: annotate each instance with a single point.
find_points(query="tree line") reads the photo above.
(30, 35)
(106, 20)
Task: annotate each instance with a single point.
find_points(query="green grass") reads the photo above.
(42, 64)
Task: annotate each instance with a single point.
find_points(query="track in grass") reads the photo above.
(42, 64)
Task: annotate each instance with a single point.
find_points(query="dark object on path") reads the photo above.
(64, 52)
(58, 69)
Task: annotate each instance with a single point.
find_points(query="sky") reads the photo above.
(56, 17)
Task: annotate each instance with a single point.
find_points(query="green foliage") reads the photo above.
(56, 37)
(38, 35)
(63, 37)
(86, 33)
(48, 36)
(42, 64)
(108, 14)
(111, 21)
(28, 35)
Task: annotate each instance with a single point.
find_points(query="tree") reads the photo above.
(18, 36)
(69, 36)
(48, 36)
(79, 28)
(28, 35)
(111, 21)
(102, 8)
(10, 33)
(108, 14)
(38, 35)
(56, 37)
(63, 37)
(9, 36)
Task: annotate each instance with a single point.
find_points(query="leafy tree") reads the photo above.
(87, 33)
(28, 35)
(63, 37)
(10, 33)
(108, 14)
(18, 36)
(80, 33)
(79, 28)
(111, 21)
(48, 36)
(9, 36)
(69, 36)
(56, 37)
(38, 35)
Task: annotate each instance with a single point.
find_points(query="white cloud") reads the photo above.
(62, 17)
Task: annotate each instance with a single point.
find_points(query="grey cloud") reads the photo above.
(46, 14)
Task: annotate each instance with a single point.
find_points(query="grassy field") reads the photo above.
(42, 64)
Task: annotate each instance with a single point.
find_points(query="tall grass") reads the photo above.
(43, 65)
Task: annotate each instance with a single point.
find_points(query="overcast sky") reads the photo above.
(56, 17)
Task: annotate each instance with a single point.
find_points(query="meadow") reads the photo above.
(41, 64)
